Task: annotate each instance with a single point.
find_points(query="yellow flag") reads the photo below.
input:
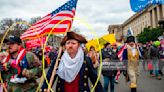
(99, 45)
(109, 38)
(94, 43)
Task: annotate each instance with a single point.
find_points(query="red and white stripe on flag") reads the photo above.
(59, 21)
(120, 53)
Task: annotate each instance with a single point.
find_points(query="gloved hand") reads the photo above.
(1, 67)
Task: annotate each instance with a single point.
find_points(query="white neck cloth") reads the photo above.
(69, 68)
(133, 49)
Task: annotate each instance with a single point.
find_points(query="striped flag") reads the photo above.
(120, 53)
(59, 21)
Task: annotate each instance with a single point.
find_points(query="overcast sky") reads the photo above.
(98, 14)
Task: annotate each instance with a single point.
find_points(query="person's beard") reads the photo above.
(13, 52)
(71, 51)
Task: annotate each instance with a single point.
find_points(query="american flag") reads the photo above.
(130, 32)
(120, 53)
(59, 21)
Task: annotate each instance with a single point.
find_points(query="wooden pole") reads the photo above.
(56, 64)
(55, 68)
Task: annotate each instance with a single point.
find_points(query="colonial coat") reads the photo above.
(132, 64)
(87, 71)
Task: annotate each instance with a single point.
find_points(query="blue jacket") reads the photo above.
(87, 71)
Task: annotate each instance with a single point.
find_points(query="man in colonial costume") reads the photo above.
(131, 54)
(74, 67)
(20, 68)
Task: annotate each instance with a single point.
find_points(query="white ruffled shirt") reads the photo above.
(133, 49)
(69, 68)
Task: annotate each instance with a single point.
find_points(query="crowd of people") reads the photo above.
(21, 68)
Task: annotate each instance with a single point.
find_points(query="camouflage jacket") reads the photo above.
(32, 67)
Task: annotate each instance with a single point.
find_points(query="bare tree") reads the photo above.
(5, 24)
(34, 20)
(19, 28)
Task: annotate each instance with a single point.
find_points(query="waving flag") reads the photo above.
(36, 42)
(120, 53)
(63, 14)
(109, 38)
(93, 43)
(130, 32)
(139, 5)
(156, 1)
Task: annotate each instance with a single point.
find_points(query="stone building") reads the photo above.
(149, 17)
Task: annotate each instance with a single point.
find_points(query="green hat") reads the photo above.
(156, 43)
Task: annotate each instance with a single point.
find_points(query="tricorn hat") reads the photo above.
(73, 35)
(130, 39)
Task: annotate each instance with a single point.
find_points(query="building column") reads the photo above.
(148, 23)
(162, 10)
(153, 18)
(158, 13)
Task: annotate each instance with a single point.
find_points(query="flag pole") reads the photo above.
(55, 68)
(56, 65)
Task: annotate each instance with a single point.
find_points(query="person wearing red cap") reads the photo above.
(74, 67)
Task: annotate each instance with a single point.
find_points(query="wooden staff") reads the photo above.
(2, 84)
(55, 68)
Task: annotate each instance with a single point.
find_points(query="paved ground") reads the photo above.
(145, 83)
